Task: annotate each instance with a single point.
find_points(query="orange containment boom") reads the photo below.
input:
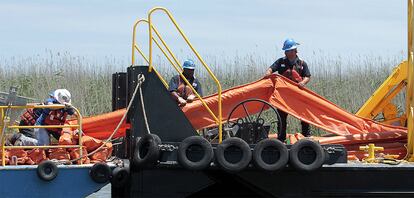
(283, 94)
(102, 126)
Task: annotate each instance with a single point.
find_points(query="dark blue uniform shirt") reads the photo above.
(283, 64)
(175, 82)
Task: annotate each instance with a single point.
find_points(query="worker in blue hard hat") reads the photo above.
(295, 69)
(180, 91)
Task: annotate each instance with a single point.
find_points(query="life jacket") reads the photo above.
(36, 156)
(59, 154)
(183, 89)
(29, 117)
(56, 117)
(75, 154)
(294, 72)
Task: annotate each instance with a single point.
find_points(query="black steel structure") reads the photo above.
(119, 96)
(169, 179)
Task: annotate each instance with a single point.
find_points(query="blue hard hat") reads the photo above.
(289, 44)
(188, 64)
(51, 93)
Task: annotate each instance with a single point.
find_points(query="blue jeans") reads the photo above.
(26, 141)
(42, 137)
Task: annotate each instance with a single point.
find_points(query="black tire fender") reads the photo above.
(47, 170)
(120, 176)
(146, 152)
(157, 138)
(100, 172)
(303, 148)
(184, 147)
(246, 155)
(282, 156)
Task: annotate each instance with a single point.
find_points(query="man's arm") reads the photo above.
(268, 72)
(69, 109)
(198, 89)
(272, 68)
(304, 81)
(173, 85)
(40, 120)
(306, 75)
(175, 95)
(45, 112)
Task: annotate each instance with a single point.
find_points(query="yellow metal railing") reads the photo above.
(175, 63)
(136, 47)
(218, 118)
(5, 125)
(410, 81)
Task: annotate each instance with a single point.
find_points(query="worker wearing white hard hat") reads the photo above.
(44, 116)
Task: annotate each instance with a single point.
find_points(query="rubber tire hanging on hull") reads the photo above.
(100, 172)
(120, 177)
(242, 163)
(147, 152)
(305, 148)
(185, 149)
(282, 155)
(47, 170)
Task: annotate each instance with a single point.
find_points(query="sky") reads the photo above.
(101, 28)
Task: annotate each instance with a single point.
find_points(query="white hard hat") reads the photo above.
(62, 96)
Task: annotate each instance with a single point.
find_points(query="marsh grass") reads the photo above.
(346, 81)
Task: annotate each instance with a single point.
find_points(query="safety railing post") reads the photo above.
(3, 151)
(217, 118)
(136, 47)
(410, 81)
(78, 126)
(150, 44)
(80, 135)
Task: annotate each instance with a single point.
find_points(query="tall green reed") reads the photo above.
(346, 81)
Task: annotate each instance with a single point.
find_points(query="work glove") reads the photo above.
(191, 98)
(67, 105)
(181, 102)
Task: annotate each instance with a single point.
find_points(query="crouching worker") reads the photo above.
(180, 91)
(41, 117)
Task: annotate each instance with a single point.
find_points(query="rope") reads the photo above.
(143, 107)
(141, 79)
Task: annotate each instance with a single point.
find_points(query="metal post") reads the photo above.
(410, 82)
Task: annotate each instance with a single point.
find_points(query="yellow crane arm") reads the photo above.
(386, 92)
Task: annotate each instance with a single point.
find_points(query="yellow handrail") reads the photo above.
(3, 150)
(135, 46)
(78, 126)
(217, 119)
(159, 37)
(410, 81)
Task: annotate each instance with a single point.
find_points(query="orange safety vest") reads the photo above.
(183, 89)
(294, 72)
(56, 117)
(29, 117)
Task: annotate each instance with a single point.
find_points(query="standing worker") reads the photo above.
(180, 91)
(294, 68)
